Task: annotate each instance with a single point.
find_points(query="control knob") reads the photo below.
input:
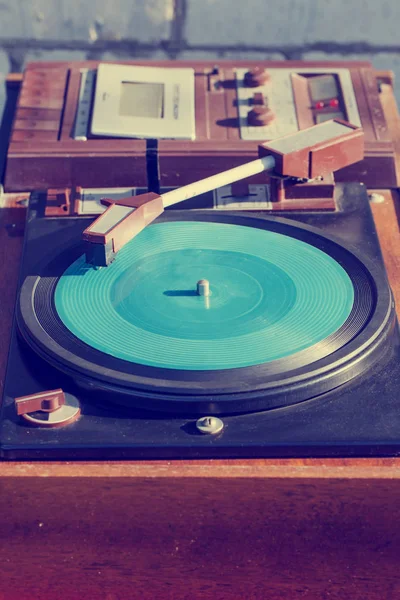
(260, 116)
(51, 408)
(256, 77)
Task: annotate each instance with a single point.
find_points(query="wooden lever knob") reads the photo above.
(44, 401)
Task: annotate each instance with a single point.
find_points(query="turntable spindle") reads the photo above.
(203, 287)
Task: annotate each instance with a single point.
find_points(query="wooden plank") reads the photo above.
(36, 124)
(198, 537)
(29, 134)
(386, 217)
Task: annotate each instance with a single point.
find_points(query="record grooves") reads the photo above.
(346, 352)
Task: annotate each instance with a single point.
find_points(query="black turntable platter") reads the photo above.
(291, 313)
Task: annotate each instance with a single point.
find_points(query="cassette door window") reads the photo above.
(144, 102)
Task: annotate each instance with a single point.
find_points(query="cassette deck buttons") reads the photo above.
(259, 116)
(256, 77)
(258, 99)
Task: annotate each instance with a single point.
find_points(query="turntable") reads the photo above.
(205, 333)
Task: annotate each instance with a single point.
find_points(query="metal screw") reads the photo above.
(376, 198)
(209, 425)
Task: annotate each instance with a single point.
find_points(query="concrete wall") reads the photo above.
(156, 29)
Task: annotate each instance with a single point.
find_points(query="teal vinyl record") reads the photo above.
(272, 297)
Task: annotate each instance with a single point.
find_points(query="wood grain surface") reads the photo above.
(311, 529)
(199, 537)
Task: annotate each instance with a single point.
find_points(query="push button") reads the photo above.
(260, 116)
(256, 77)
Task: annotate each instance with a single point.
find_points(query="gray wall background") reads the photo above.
(199, 29)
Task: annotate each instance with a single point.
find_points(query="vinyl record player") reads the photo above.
(206, 332)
